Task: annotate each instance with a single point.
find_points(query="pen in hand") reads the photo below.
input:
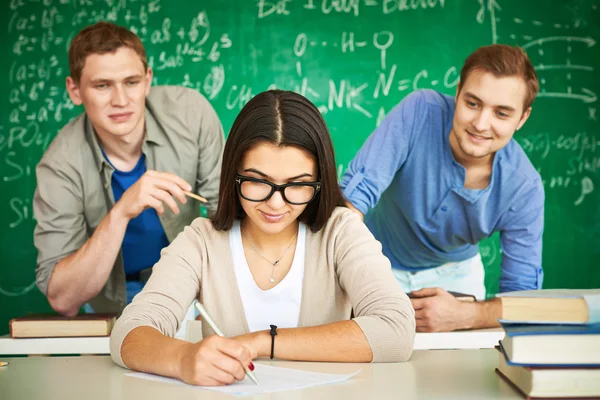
(195, 196)
(215, 328)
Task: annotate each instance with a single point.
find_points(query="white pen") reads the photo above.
(206, 317)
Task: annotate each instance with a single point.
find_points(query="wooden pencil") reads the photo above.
(195, 196)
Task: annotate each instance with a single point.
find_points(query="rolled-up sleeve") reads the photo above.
(521, 241)
(166, 297)
(382, 310)
(58, 209)
(382, 155)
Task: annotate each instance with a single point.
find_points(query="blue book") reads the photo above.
(551, 306)
(543, 382)
(552, 345)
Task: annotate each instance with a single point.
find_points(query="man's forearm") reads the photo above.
(486, 314)
(79, 277)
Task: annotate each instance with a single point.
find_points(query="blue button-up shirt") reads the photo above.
(411, 190)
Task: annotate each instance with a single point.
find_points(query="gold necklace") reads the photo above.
(276, 263)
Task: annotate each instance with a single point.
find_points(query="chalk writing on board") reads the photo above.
(589, 42)
(13, 168)
(587, 187)
(581, 152)
(489, 7)
(17, 291)
(579, 144)
(266, 8)
(569, 65)
(421, 80)
(351, 7)
(21, 209)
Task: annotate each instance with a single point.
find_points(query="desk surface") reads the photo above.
(475, 339)
(433, 374)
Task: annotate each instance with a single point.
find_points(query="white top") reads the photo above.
(277, 306)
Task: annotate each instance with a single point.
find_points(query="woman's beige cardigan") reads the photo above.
(344, 270)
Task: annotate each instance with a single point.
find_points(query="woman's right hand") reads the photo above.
(214, 361)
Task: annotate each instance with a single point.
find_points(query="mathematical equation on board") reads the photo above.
(268, 8)
(196, 51)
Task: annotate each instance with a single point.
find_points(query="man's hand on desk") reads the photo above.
(436, 310)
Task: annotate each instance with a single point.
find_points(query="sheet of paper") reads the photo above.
(271, 379)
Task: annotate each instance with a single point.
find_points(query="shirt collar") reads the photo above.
(92, 139)
(154, 135)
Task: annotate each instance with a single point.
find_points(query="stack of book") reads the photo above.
(51, 325)
(551, 348)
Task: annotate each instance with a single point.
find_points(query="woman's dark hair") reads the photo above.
(281, 118)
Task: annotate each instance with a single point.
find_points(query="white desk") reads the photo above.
(78, 345)
(476, 339)
(443, 374)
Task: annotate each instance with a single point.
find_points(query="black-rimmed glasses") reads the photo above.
(297, 193)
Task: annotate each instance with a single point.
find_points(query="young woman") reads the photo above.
(281, 250)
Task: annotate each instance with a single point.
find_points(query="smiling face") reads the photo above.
(489, 110)
(113, 89)
(278, 165)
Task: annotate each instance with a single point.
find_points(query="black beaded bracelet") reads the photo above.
(273, 333)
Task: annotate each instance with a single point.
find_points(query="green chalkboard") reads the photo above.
(355, 59)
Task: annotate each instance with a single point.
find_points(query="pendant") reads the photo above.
(272, 280)
(276, 263)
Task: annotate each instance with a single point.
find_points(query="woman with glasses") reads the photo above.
(281, 267)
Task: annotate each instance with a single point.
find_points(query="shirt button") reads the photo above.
(444, 208)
